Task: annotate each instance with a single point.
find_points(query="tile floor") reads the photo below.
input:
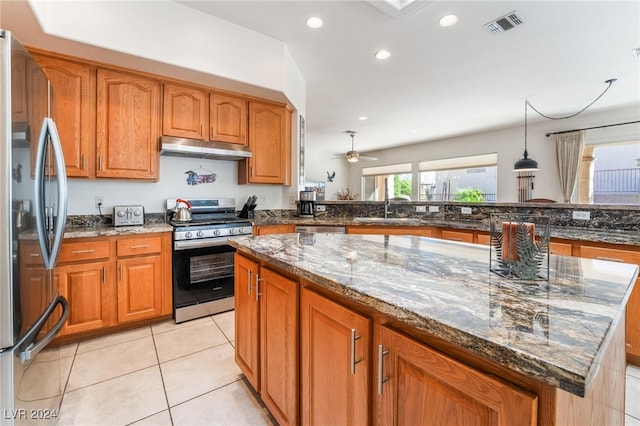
(184, 374)
(164, 374)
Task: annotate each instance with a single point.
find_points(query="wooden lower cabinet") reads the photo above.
(416, 385)
(390, 230)
(335, 351)
(273, 229)
(88, 288)
(461, 236)
(266, 326)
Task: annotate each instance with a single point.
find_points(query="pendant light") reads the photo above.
(525, 164)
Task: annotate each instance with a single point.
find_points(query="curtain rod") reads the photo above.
(589, 128)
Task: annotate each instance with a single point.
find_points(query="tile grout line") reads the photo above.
(164, 387)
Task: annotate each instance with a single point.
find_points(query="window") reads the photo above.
(610, 174)
(471, 179)
(399, 176)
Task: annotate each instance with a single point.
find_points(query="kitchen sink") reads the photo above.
(386, 219)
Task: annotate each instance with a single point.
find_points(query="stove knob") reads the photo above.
(216, 232)
(232, 231)
(200, 234)
(188, 235)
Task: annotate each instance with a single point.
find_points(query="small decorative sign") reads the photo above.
(199, 177)
(520, 246)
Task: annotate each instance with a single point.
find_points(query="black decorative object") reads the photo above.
(17, 173)
(520, 246)
(331, 176)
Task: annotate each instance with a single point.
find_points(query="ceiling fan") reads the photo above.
(353, 156)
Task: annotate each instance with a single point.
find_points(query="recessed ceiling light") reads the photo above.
(448, 20)
(314, 22)
(382, 54)
(363, 117)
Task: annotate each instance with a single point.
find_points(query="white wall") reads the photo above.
(173, 184)
(509, 144)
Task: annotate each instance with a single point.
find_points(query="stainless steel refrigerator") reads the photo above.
(33, 210)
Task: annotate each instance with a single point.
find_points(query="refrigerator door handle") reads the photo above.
(36, 346)
(43, 213)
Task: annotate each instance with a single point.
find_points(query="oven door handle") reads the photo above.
(206, 242)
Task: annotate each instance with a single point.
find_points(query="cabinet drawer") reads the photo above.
(561, 249)
(615, 255)
(465, 237)
(83, 250)
(484, 239)
(30, 253)
(135, 246)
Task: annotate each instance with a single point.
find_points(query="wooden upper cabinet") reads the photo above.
(184, 112)
(228, 117)
(19, 107)
(73, 109)
(127, 128)
(270, 143)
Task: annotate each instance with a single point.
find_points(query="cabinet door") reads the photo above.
(274, 229)
(87, 288)
(462, 236)
(335, 363)
(72, 108)
(247, 328)
(139, 288)
(270, 144)
(279, 345)
(184, 112)
(228, 117)
(419, 386)
(127, 130)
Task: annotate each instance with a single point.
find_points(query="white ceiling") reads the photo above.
(441, 82)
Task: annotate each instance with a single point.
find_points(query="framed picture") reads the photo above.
(301, 177)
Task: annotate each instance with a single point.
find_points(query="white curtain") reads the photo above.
(569, 154)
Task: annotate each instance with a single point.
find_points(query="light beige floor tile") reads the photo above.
(632, 397)
(50, 354)
(199, 373)
(113, 339)
(631, 421)
(232, 404)
(107, 363)
(43, 380)
(118, 401)
(187, 340)
(163, 418)
(226, 323)
(171, 325)
(633, 370)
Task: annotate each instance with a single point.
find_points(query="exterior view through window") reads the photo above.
(468, 179)
(399, 182)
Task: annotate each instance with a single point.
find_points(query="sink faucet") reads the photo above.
(386, 197)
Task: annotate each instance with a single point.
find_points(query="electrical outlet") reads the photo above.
(99, 201)
(292, 198)
(434, 209)
(421, 209)
(321, 208)
(263, 199)
(581, 215)
(465, 210)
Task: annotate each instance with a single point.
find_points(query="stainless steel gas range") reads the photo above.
(202, 258)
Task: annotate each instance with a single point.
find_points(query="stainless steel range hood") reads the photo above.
(182, 147)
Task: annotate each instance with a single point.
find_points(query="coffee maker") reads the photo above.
(307, 206)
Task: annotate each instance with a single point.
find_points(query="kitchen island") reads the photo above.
(434, 325)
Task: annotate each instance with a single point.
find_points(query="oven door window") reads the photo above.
(202, 274)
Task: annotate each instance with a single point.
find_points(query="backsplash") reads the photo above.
(625, 218)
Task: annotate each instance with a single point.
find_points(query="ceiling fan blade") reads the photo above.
(366, 157)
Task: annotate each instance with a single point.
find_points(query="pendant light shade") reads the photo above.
(526, 164)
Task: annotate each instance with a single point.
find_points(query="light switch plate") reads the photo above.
(465, 210)
(581, 215)
(434, 209)
(421, 209)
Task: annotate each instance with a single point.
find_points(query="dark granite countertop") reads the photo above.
(105, 231)
(555, 332)
(596, 235)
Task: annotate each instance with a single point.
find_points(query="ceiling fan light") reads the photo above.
(352, 156)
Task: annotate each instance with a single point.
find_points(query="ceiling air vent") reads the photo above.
(505, 23)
